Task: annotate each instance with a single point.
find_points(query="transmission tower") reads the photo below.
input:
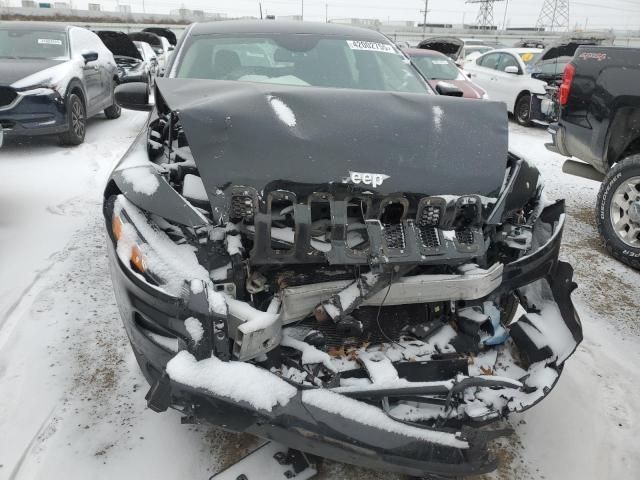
(485, 14)
(554, 15)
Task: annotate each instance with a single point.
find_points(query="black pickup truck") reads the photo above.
(600, 125)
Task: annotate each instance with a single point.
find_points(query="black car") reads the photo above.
(600, 125)
(300, 252)
(133, 66)
(163, 32)
(52, 78)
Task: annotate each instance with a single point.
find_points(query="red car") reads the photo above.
(438, 68)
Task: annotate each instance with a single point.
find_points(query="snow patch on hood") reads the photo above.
(56, 77)
(437, 117)
(239, 381)
(284, 113)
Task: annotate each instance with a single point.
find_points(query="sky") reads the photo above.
(618, 14)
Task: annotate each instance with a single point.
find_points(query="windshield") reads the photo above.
(436, 67)
(529, 59)
(297, 59)
(19, 43)
(478, 49)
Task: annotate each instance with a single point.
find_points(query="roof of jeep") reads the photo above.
(282, 26)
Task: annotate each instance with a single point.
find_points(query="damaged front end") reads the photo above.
(349, 318)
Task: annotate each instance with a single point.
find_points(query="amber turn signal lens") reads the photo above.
(116, 226)
(136, 259)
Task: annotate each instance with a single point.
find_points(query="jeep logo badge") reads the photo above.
(373, 179)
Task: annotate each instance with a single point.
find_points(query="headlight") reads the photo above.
(155, 249)
(37, 91)
(125, 232)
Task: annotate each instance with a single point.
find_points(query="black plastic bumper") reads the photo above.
(306, 427)
(35, 115)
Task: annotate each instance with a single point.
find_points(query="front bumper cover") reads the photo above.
(150, 313)
(41, 114)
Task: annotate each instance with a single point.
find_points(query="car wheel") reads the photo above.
(113, 111)
(618, 211)
(77, 121)
(522, 112)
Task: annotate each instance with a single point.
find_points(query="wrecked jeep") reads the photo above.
(299, 251)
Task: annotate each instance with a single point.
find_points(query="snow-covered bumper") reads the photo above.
(37, 112)
(413, 406)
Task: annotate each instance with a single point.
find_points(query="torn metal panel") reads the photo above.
(298, 302)
(142, 184)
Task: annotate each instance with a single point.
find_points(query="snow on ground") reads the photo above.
(71, 397)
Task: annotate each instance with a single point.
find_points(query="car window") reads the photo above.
(298, 59)
(437, 67)
(508, 60)
(529, 59)
(473, 49)
(83, 41)
(489, 60)
(37, 44)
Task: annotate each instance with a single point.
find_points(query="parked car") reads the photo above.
(505, 74)
(458, 49)
(437, 68)
(160, 46)
(132, 64)
(52, 78)
(299, 251)
(149, 56)
(164, 32)
(600, 125)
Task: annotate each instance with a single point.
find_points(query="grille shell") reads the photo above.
(7, 96)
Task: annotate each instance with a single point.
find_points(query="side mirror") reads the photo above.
(172, 48)
(449, 90)
(512, 69)
(133, 96)
(90, 56)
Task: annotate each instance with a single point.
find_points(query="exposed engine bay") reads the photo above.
(424, 315)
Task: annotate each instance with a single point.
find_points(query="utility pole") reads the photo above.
(326, 13)
(424, 19)
(504, 20)
(260, 5)
(302, 10)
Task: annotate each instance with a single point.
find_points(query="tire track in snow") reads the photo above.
(43, 426)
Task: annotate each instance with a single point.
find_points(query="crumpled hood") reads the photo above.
(255, 134)
(12, 70)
